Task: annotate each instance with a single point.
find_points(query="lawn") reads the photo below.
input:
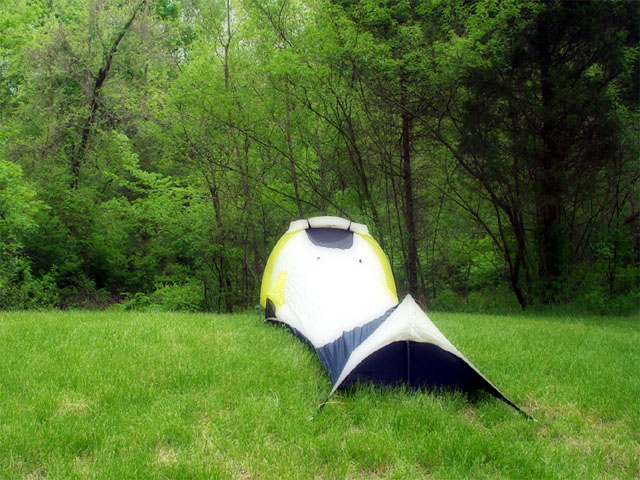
(118, 395)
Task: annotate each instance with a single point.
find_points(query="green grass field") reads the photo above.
(163, 395)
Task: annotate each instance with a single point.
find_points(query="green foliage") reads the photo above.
(158, 150)
(18, 209)
(167, 9)
(187, 297)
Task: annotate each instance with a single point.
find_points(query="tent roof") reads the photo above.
(328, 222)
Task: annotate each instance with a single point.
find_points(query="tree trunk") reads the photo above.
(550, 229)
(78, 153)
(292, 155)
(409, 208)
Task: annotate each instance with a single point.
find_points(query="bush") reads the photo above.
(169, 297)
(17, 210)
(494, 299)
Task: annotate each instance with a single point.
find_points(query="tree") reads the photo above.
(536, 123)
(18, 209)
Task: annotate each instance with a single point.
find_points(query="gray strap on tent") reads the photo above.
(326, 400)
(509, 402)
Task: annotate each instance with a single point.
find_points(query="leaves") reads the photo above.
(192, 132)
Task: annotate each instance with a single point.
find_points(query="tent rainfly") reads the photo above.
(329, 281)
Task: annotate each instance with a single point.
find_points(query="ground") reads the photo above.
(166, 395)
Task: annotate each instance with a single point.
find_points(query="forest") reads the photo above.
(153, 151)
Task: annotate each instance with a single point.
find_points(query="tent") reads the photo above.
(328, 280)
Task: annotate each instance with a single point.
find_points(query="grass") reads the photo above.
(166, 395)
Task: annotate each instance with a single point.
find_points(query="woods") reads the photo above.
(152, 152)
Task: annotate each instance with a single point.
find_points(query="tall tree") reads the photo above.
(395, 35)
(535, 122)
(78, 152)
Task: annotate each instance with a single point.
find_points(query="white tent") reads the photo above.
(329, 281)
